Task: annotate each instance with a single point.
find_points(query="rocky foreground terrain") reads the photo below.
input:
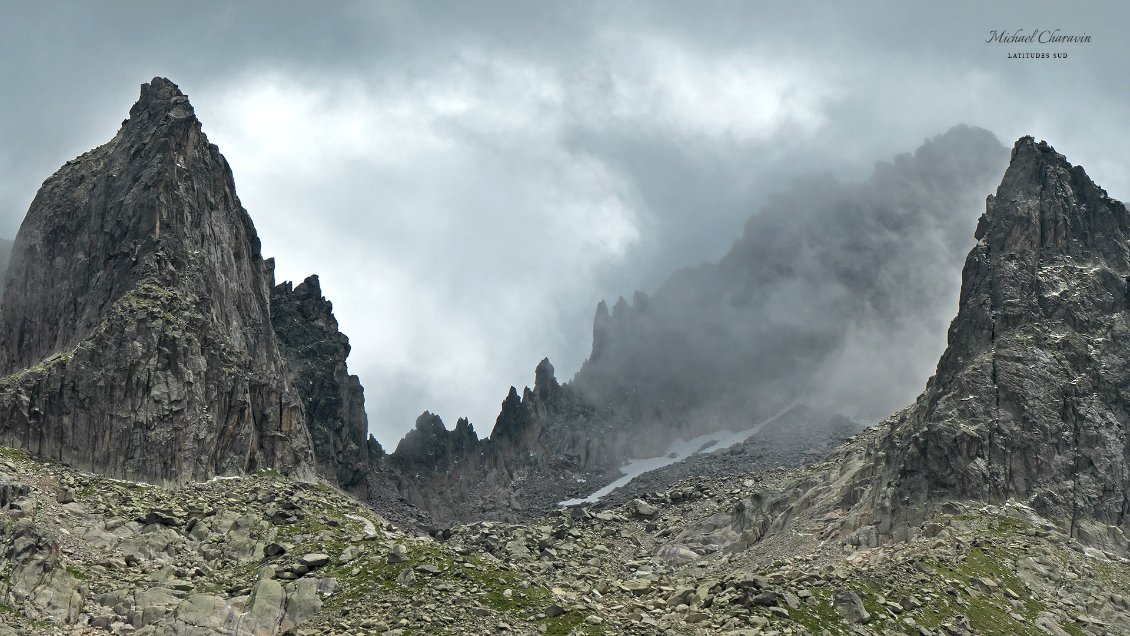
(265, 554)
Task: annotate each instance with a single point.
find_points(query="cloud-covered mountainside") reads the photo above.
(835, 297)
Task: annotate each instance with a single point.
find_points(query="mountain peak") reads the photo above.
(1027, 399)
(1044, 202)
(1027, 152)
(159, 98)
(138, 260)
(1028, 144)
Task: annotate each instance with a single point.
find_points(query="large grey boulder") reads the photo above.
(36, 581)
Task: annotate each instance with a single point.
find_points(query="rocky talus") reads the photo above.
(135, 333)
(263, 554)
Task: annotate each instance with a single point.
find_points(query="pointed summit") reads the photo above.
(1029, 398)
(1045, 202)
(136, 332)
(1029, 402)
(545, 382)
(161, 97)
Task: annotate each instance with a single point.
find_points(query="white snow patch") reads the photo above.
(676, 452)
(128, 482)
(222, 478)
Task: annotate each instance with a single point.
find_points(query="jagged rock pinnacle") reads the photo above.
(1028, 398)
(138, 300)
(544, 380)
(161, 97)
(316, 353)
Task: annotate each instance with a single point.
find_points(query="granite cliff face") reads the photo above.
(315, 352)
(135, 334)
(1030, 399)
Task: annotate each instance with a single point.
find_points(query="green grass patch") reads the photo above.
(988, 613)
(570, 624)
(818, 615)
(61, 357)
(12, 453)
(77, 573)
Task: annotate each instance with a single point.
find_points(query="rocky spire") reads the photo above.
(600, 326)
(545, 382)
(316, 352)
(1029, 399)
(512, 418)
(135, 332)
(431, 447)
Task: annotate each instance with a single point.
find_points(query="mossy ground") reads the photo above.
(957, 587)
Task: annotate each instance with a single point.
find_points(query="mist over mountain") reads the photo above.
(836, 295)
(834, 298)
(1028, 405)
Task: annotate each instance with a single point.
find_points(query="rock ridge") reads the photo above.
(791, 315)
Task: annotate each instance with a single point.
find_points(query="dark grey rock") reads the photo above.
(1030, 398)
(334, 401)
(135, 334)
(1029, 401)
(849, 606)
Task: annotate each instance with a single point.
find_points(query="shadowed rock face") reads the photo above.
(334, 401)
(135, 334)
(538, 454)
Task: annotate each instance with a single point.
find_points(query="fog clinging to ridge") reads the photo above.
(469, 181)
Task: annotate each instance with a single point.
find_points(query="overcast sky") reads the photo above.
(469, 179)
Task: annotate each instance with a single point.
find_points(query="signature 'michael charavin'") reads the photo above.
(1044, 36)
